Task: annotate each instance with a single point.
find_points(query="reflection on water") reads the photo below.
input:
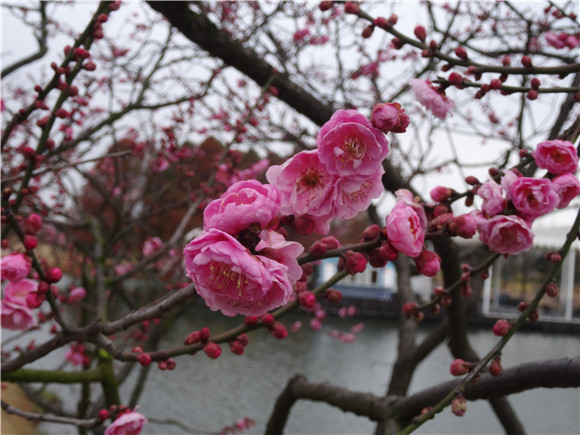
(206, 395)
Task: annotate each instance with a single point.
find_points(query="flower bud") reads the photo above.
(441, 193)
(30, 242)
(389, 117)
(460, 367)
(267, 319)
(213, 350)
(144, 359)
(428, 263)
(458, 405)
(53, 275)
(420, 33)
(371, 232)
(495, 368)
(307, 299)
(461, 53)
(552, 290)
(352, 8)
(526, 61)
(279, 331)
(333, 296)
(409, 308)
(355, 262)
(501, 327)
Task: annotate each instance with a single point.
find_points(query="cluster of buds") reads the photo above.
(238, 345)
(411, 309)
(320, 247)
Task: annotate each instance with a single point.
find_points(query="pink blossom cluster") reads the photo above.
(20, 293)
(528, 198)
(562, 40)
(433, 99)
(341, 177)
(240, 264)
(405, 232)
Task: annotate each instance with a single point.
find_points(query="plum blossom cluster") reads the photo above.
(343, 175)
(433, 99)
(20, 293)
(510, 207)
(240, 264)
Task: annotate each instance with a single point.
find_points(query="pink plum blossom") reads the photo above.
(553, 40)
(151, 245)
(349, 145)
(14, 267)
(433, 100)
(557, 156)
(75, 355)
(273, 245)
(16, 316)
(389, 117)
(129, 423)
(493, 200)
(533, 197)
(506, 182)
(77, 294)
(407, 197)
(305, 185)
(567, 187)
(504, 234)
(354, 195)
(404, 230)
(244, 203)
(16, 291)
(233, 280)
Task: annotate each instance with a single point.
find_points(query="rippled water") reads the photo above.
(206, 395)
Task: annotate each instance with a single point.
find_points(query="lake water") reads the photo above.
(206, 395)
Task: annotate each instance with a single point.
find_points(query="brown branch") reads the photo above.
(560, 373)
(33, 416)
(42, 46)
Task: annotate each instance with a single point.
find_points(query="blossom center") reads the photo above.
(309, 180)
(354, 148)
(222, 276)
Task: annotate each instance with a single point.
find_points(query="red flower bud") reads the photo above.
(267, 319)
(368, 31)
(552, 290)
(30, 242)
(409, 308)
(460, 367)
(420, 33)
(53, 275)
(307, 299)
(144, 359)
(495, 84)
(279, 331)
(213, 350)
(352, 8)
(526, 61)
(333, 296)
(325, 5)
(501, 327)
(461, 53)
(495, 368)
